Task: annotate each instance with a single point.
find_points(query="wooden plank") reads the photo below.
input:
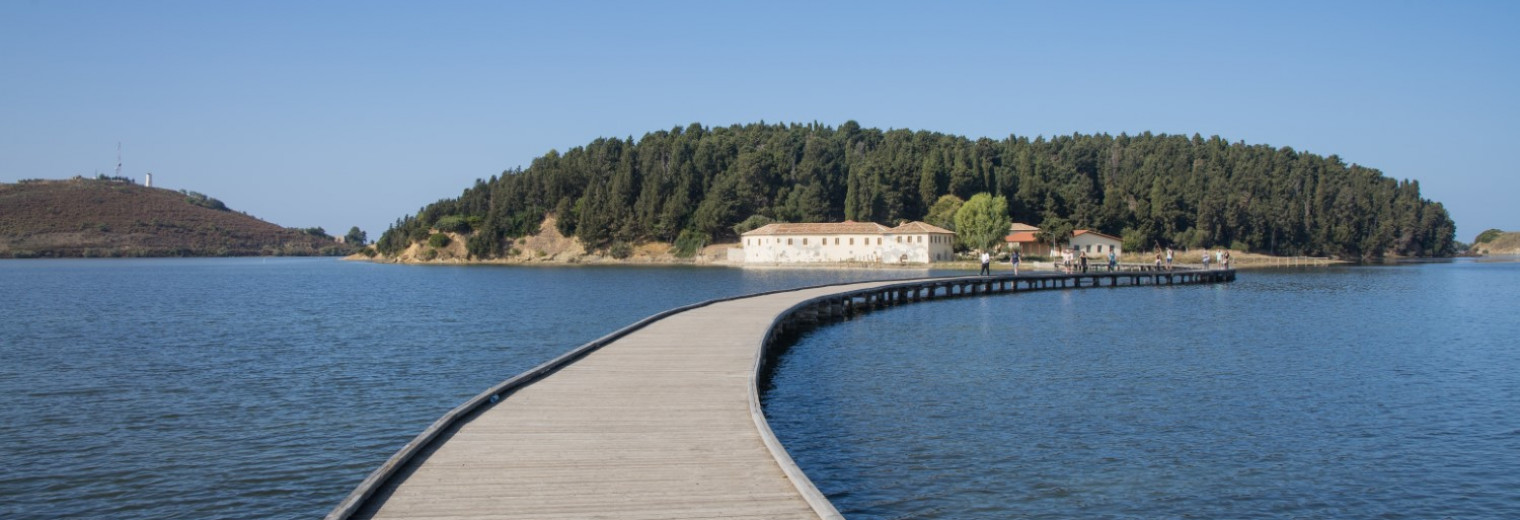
(657, 424)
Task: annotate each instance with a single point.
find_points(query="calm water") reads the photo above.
(1375, 392)
(268, 388)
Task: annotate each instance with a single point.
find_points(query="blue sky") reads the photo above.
(338, 114)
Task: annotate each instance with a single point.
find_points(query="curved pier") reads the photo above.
(660, 419)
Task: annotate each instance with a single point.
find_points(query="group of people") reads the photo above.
(1013, 259)
(1072, 260)
(1220, 258)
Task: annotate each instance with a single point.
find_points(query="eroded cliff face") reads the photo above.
(549, 246)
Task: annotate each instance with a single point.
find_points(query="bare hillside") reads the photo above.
(1507, 243)
(113, 218)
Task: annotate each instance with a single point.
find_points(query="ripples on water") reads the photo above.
(269, 388)
(1387, 392)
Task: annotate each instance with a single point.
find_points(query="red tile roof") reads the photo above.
(920, 227)
(847, 227)
(1023, 237)
(1081, 232)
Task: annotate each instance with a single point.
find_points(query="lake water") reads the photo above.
(268, 388)
(1369, 392)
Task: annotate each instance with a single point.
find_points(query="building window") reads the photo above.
(852, 241)
(836, 241)
(804, 240)
(788, 241)
(878, 241)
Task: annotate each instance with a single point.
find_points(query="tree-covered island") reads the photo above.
(697, 185)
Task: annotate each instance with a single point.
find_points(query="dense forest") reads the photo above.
(694, 185)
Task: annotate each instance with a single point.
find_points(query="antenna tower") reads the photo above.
(118, 158)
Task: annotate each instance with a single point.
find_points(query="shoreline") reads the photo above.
(1252, 263)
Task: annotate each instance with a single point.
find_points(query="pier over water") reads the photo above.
(660, 419)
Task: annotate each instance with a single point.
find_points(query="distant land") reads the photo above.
(689, 187)
(114, 217)
(1497, 243)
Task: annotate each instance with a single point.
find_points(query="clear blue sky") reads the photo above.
(337, 114)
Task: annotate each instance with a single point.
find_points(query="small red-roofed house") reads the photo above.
(1025, 239)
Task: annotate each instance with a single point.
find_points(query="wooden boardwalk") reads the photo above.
(658, 420)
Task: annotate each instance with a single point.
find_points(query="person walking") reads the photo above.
(1013, 258)
(986, 264)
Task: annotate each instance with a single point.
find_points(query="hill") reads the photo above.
(1501, 244)
(116, 218)
(691, 186)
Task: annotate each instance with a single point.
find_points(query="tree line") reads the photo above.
(697, 184)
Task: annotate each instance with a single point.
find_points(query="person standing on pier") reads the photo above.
(1013, 258)
(1205, 260)
(1226, 263)
(986, 264)
(1082, 260)
(1158, 260)
(1168, 258)
(1113, 260)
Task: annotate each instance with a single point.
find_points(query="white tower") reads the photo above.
(149, 181)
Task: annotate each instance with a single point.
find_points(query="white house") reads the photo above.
(848, 241)
(1093, 244)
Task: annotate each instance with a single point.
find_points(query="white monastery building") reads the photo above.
(848, 241)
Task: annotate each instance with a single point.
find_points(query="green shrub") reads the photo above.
(750, 224)
(481, 246)
(620, 250)
(690, 242)
(453, 224)
(439, 240)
